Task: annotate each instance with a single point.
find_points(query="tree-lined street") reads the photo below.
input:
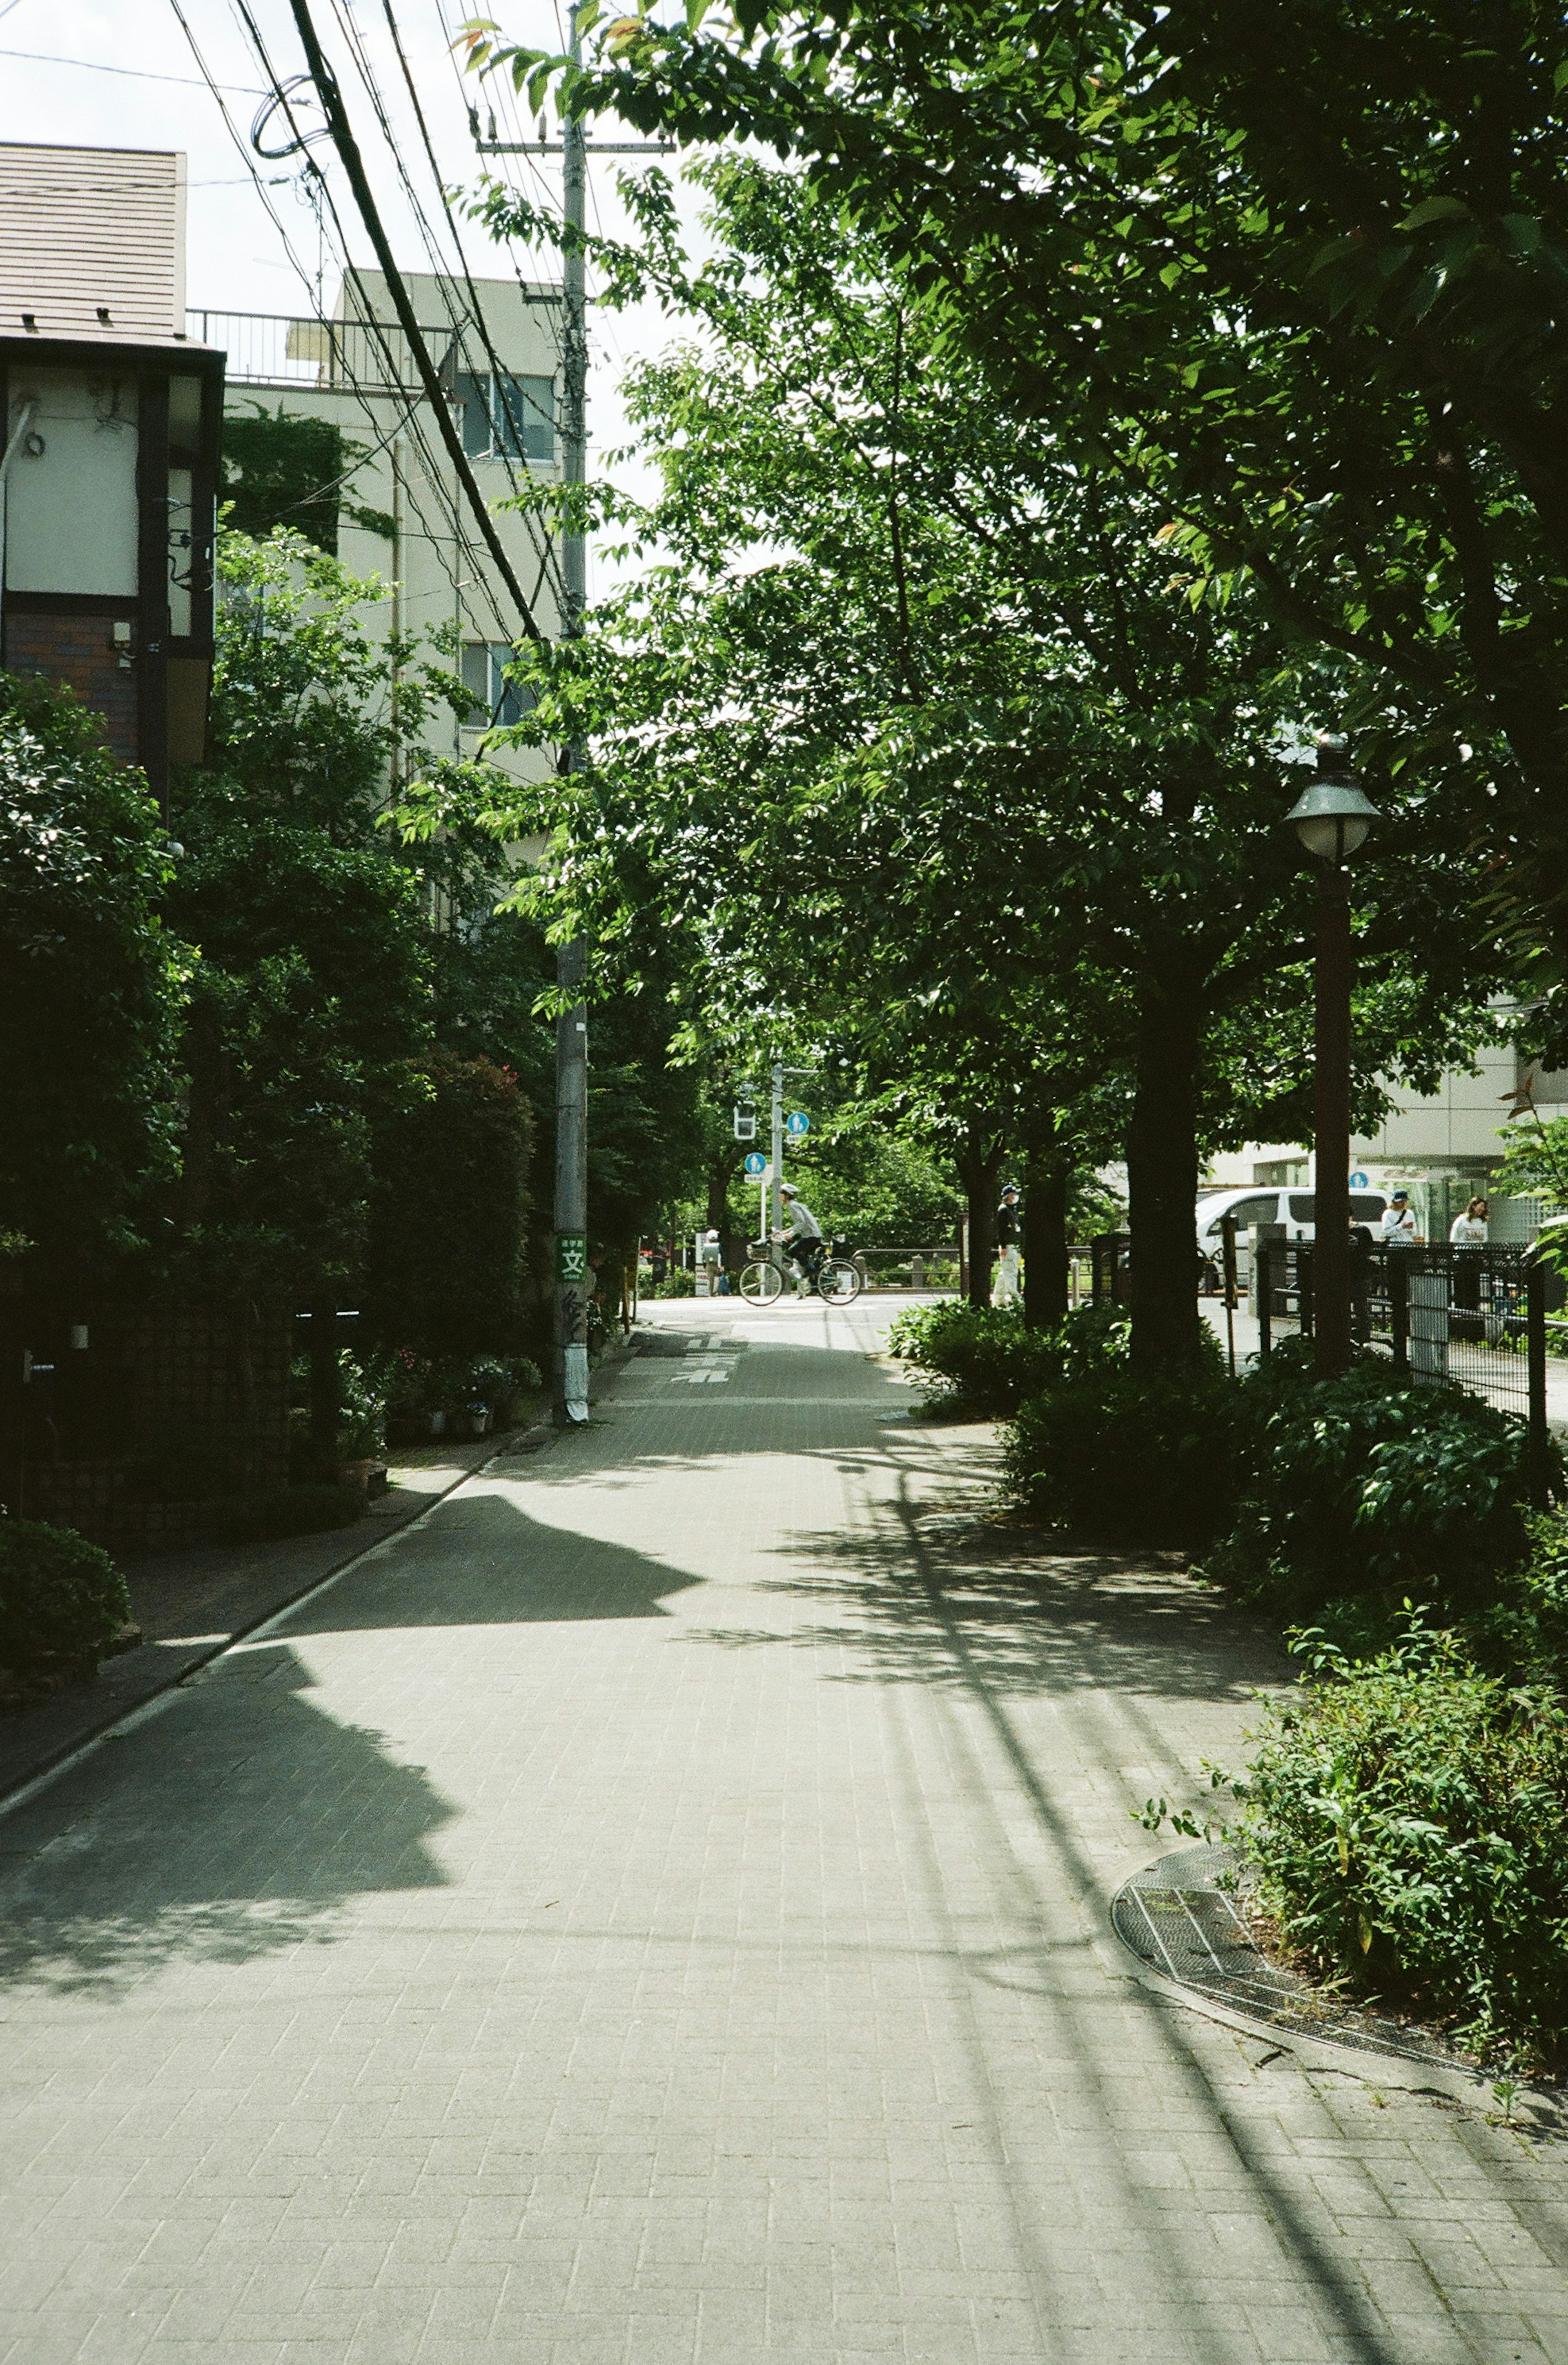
(655, 1908)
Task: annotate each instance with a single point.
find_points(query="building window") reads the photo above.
(495, 700)
(511, 417)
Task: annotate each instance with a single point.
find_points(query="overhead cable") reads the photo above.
(348, 152)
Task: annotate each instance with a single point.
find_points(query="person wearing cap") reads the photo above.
(803, 1234)
(1397, 1229)
(1009, 1230)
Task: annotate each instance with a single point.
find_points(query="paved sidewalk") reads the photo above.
(655, 1910)
(188, 1604)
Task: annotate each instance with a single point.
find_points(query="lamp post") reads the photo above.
(1331, 819)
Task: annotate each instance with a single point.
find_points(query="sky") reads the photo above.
(122, 74)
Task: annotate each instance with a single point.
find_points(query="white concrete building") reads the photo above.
(497, 344)
(1441, 1146)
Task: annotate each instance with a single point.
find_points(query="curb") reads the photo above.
(128, 1719)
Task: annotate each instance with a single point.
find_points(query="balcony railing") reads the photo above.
(267, 349)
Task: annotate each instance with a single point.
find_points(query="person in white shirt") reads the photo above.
(1469, 1231)
(803, 1233)
(1397, 1229)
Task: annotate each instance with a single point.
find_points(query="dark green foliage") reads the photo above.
(1369, 1485)
(288, 1511)
(284, 469)
(1408, 1818)
(1110, 1451)
(90, 985)
(60, 1598)
(1522, 1631)
(990, 1362)
(308, 1002)
(446, 1235)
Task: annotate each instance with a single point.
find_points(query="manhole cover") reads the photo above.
(1177, 1918)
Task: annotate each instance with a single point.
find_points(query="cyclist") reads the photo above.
(802, 1235)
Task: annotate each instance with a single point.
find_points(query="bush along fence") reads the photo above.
(1474, 1317)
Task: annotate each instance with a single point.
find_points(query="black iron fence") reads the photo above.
(1476, 1318)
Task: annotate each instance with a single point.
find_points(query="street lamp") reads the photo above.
(1331, 818)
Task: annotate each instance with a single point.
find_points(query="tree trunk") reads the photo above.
(980, 1164)
(1046, 1176)
(1162, 1175)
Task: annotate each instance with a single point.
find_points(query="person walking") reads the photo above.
(1467, 1233)
(1009, 1230)
(1397, 1229)
(712, 1261)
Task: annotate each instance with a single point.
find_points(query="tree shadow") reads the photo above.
(948, 1598)
(234, 1824)
(478, 1559)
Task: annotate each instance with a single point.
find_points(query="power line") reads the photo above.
(136, 74)
(461, 548)
(377, 329)
(330, 97)
(546, 549)
(458, 321)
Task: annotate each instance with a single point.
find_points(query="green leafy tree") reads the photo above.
(1290, 268)
(92, 983)
(915, 734)
(446, 1262)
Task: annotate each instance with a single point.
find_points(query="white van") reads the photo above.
(1295, 1209)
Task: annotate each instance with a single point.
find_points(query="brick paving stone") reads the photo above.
(654, 1912)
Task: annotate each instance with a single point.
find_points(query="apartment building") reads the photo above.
(401, 511)
(109, 465)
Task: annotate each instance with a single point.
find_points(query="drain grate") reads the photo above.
(1176, 1917)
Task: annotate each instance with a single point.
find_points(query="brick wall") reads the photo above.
(80, 650)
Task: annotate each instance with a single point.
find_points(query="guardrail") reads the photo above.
(1476, 1318)
(909, 1268)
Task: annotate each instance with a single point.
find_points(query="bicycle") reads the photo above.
(835, 1278)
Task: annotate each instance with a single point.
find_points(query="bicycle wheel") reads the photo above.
(761, 1283)
(838, 1280)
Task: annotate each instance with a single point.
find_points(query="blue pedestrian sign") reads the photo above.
(797, 1122)
(756, 1163)
(1358, 1181)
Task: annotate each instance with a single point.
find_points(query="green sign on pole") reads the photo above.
(571, 1256)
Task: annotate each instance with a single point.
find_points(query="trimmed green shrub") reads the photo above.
(1108, 1452)
(60, 1598)
(1408, 1819)
(1373, 1485)
(990, 1362)
(288, 1511)
(1522, 1631)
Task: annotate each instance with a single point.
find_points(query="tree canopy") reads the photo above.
(1293, 271)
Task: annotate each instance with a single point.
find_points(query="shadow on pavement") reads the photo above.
(479, 1560)
(210, 1837)
(1031, 1618)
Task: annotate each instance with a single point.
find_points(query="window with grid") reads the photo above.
(510, 416)
(494, 699)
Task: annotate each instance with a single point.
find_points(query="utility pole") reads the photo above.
(570, 1377)
(571, 960)
(777, 1078)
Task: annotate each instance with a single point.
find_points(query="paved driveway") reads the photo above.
(654, 1911)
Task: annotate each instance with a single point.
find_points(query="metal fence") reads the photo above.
(1473, 1317)
(910, 1269)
